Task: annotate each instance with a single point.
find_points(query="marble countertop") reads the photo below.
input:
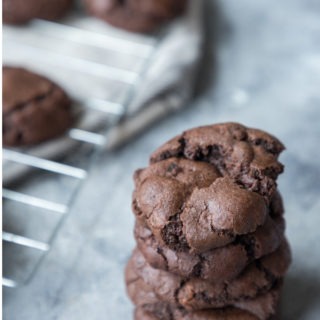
(261, 68)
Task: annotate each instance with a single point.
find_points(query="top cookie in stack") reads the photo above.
(210, 227)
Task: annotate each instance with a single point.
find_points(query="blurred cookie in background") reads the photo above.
(136, 15)
(21, 11)
(34, 108)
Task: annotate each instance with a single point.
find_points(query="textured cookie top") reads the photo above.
(223, 206)
(188, 204)
(34, 108)
(207, 186)
(248, 156)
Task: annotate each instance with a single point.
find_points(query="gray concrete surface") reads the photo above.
(263, 69)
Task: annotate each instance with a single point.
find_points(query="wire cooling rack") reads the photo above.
(101, 69)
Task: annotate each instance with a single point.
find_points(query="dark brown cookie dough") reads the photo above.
(136, 15)
(248, 156)
(34, 108)
(217, 265)
(22, 11)
(146, 285)
(187, 204)
(161, 311)
(214, 215)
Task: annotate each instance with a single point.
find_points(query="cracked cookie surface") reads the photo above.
(146, 284)
(248, 156)
(221, 264)
(34, 108)
(189, 205)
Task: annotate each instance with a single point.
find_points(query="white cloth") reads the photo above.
(165, 87)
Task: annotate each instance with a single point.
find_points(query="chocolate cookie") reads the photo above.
(22, 11)
(221, 264)
(248, 156)
(136, 15)
(161, 311)
(263, 307)
(146, 285)
(34, 108)
(187, 204)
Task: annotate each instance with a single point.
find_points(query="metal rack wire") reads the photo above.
(24, 199)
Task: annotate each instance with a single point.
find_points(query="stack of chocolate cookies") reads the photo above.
(209, 228)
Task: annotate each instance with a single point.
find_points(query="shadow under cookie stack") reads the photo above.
(209, 228)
